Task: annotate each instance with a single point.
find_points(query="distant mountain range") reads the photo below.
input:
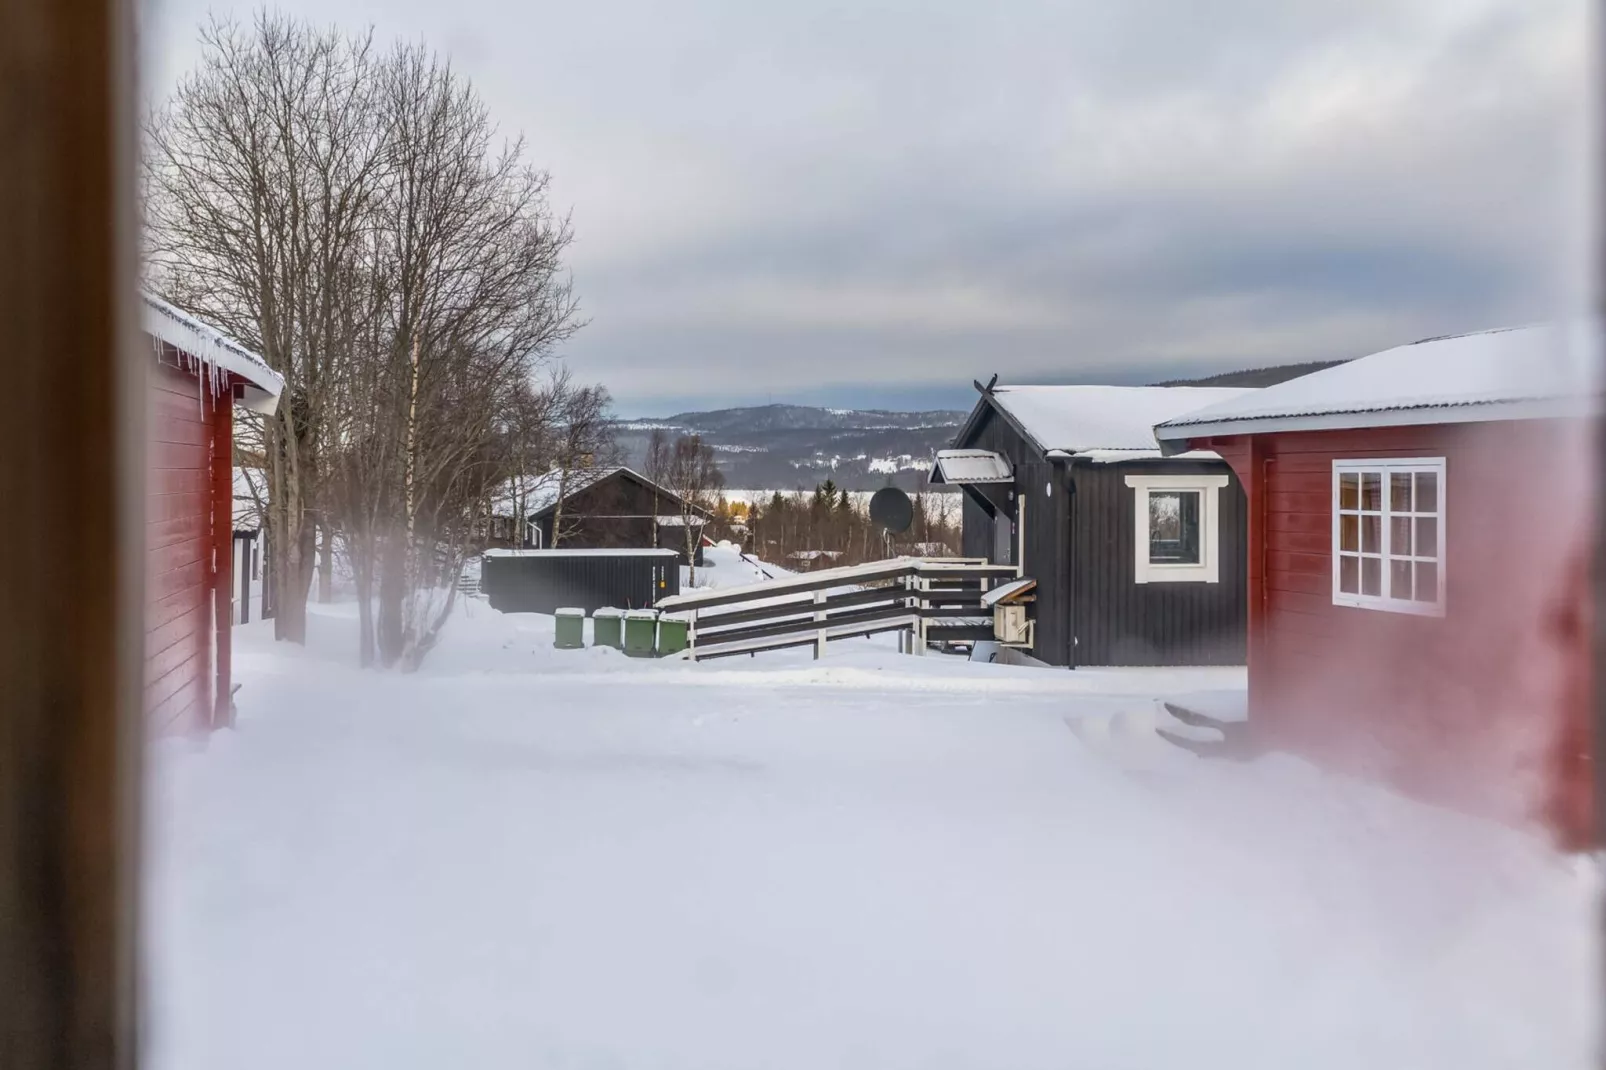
(786, 447)
(796, 447)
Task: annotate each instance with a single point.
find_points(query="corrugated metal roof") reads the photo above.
(971, 466)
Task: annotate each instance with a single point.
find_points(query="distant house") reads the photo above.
(250, 496)
(1418, 546)
(599, 508)
(196, 376)
(1138, 558)
(810, 560)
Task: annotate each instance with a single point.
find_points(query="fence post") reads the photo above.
(819, 618)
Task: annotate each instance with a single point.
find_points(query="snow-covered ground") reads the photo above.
(524, 857)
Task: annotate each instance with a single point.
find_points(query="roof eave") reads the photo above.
(1175, 437)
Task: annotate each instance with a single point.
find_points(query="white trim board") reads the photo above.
(1208, 570)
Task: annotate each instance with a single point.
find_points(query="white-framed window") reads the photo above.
(1388, 535)
(1176, 526)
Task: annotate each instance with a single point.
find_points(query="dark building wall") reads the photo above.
(1119, 621)
(1079, 537)
(618, 512)
(541, 581)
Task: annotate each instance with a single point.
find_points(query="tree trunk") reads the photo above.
(294, 583)
(326, 563)
(391, 630)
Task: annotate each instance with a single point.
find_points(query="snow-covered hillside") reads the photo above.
(523, 857)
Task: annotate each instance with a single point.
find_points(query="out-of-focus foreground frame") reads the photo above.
(70, 446)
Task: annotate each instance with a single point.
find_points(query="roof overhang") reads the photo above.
(162, 321)
(971, 467)
(1175, 436)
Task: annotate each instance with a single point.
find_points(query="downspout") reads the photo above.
(223, 555)
(1063, 461)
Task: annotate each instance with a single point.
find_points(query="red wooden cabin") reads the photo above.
(1419, 538)
(196, 377)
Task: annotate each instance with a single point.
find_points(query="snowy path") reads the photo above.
(530, 858)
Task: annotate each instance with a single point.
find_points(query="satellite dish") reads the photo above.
(891, 508)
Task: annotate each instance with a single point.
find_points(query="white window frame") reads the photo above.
(1385, 602)
(1208, 570)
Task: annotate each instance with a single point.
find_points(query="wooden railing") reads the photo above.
(930, 600)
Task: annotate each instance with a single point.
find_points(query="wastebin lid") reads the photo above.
(607, 612)
(569, 611)
(642, 614)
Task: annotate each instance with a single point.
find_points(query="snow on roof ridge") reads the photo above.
(1083, 417)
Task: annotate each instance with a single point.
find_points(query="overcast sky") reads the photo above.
(872, 203)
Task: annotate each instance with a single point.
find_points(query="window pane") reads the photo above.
(1427, 536)
(1427, 581)
(1399, 579)
(1400, 492)
(1372, 575)
(1372, 490)
(1400, 536)
(1371, 534)
(1349, 533)
(1427, 492)
(1174, 527)
(1349, 573)
(1349, 485)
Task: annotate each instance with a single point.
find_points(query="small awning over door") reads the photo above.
(961, 467)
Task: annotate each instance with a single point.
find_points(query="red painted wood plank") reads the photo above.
(1314, 504)
(1300, 582)
(172, 670)
(181, 627)
(1286, 482)
(1301, 522)
(1302, 542)
(1307, 564)
(1319, 605)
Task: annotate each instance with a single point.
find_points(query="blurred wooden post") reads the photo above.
(70, 561)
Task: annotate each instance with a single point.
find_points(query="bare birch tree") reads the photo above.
(585, 445)
(694, 476)
(260, 174)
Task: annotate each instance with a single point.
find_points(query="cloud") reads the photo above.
(840, 200)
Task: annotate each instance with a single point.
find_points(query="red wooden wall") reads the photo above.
(1484, 708)
(188, 493)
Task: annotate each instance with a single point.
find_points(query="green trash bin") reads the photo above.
(672, 629)
(571, 630)
(607, 628)
(641, 632)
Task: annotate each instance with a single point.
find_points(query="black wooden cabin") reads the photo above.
(611, 508)
(1139, 559)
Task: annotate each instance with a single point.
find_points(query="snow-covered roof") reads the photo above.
(1510, 374)
(212, 347)
(541, 492)
(971, 466)
(1078, 419)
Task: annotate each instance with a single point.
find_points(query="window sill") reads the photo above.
(1153, 573)
(1389, 605)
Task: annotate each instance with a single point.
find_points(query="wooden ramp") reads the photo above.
(929, 599)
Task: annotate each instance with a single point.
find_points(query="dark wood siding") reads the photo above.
(1080, 548)
(541, 581)
(618, 512)
(1122, 622)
